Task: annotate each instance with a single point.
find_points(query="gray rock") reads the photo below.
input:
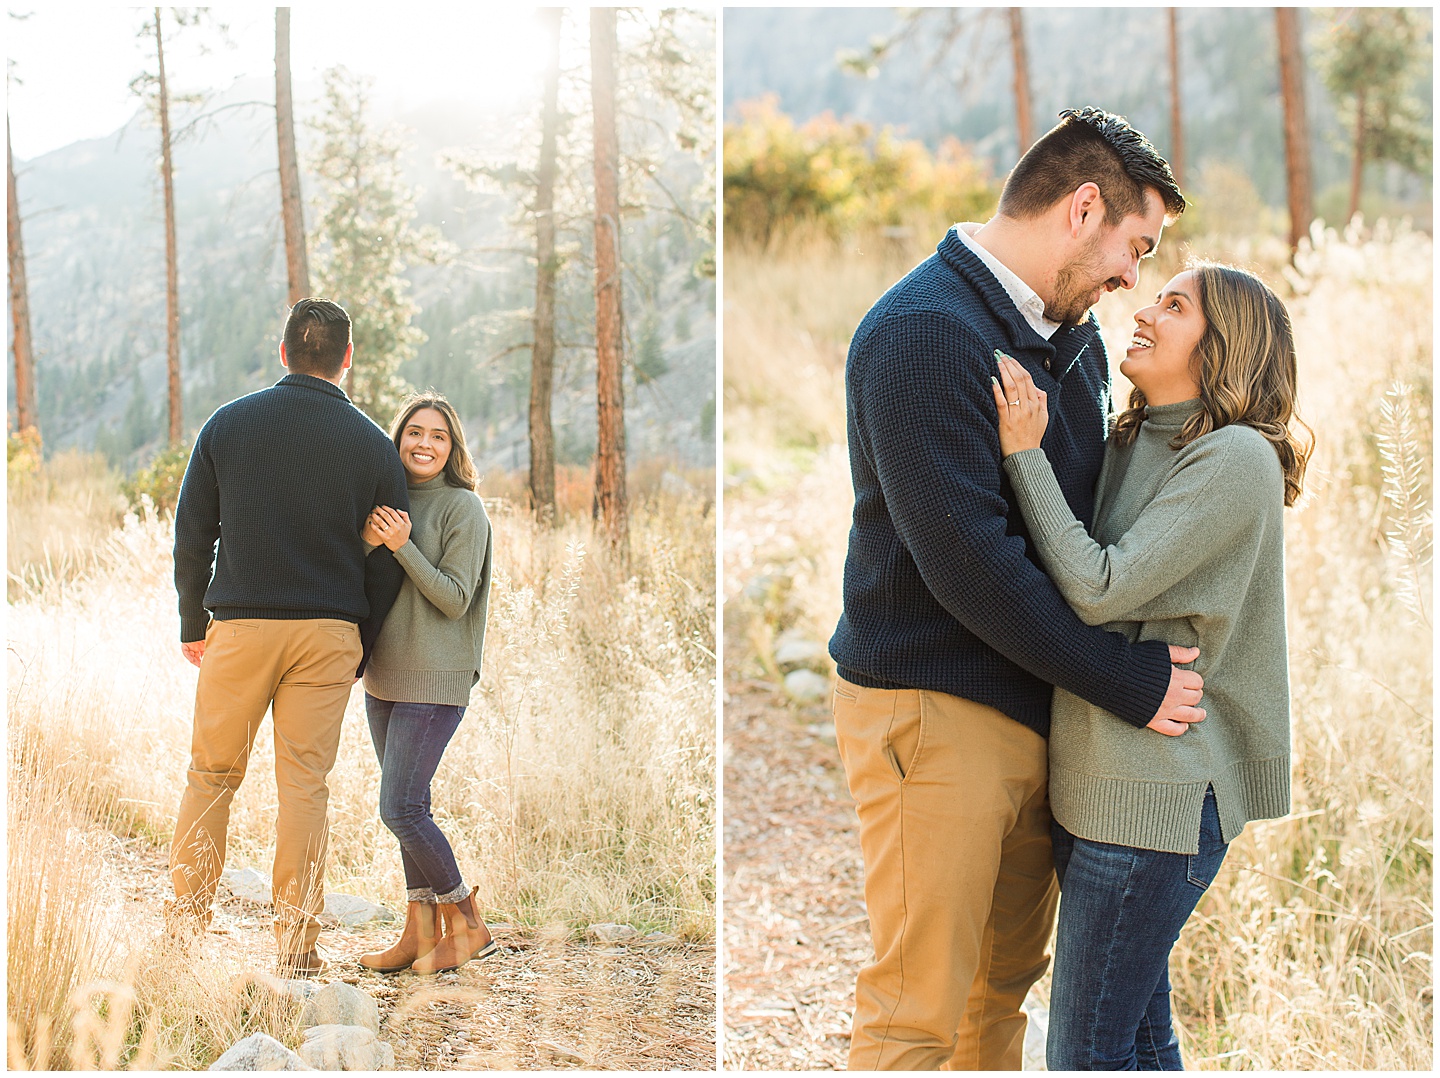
(825, 731)
(296, 989)
(607, 932)
(353, 910)
(806, 686)
(343, 1005)
(248, 883)
(795, 651)
(259, 1052)
(346, 1048)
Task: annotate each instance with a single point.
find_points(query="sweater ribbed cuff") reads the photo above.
(193, 629)
(1147, 680)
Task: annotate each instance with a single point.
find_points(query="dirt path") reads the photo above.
(540, 1003)
(795, 929)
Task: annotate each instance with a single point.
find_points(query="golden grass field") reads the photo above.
(1313, 948)
(579, 789)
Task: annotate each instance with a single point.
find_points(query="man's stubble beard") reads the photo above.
(1075, 283)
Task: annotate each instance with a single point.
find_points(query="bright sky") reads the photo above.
(74, 62)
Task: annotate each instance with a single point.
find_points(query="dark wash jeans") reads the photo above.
(409, 741)
(1121, 911)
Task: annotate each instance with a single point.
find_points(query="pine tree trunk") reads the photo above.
(297, 267)
(542, 356)
(172, 276)
(1357, 169)
(1021, 67)
(1177, 131)
(1297, 126)
(27, 416)
(610, 505)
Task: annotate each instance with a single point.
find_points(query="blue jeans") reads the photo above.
(409, 740)
(1121, 911)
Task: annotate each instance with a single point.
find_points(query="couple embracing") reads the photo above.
(1062, 660)
(310, 550)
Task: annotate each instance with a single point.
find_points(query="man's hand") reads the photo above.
(1180, 706)
(193, 651)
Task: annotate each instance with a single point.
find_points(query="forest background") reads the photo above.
(579, 792)
(853, 139)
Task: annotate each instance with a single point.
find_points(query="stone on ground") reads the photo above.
(607, 932)
(259, 1052)
(346, 1048)
(248, 883)
(341, 1004)
(351, 910)
(794, 649)
(806, 686)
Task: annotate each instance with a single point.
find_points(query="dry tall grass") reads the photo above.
(579, 788)
(1313, 948)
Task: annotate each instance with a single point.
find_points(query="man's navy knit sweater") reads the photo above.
(284, 479)
(942, 587)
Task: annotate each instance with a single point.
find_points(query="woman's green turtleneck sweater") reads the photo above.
(1188, 548)
(429, 648)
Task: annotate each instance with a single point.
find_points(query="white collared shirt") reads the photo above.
(1026, 300)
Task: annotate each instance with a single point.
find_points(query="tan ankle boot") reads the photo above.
(466, 937)
(417, 939)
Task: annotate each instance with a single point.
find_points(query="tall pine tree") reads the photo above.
(610, 499)
(365, 240)
(1371, 60)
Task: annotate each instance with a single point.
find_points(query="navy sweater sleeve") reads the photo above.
(197, 530)
(933, 440)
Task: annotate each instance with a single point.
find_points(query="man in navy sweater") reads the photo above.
(952, 636)
(281, 613)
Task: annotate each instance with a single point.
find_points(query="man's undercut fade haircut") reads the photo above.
(316, 335)
(1091, 145)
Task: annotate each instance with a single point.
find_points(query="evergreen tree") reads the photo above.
(1299, 196)
(155, 87)
(611, 503)
(366, 239)
(297, 264)
(1370, 60)
(27, 415)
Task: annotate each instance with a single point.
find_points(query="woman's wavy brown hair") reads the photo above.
(1246, 359)
(460, 468)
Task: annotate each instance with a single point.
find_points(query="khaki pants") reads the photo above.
(959, 881)
(302, 671)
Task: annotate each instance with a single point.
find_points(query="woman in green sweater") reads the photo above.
(1187, 547)
(418, 680)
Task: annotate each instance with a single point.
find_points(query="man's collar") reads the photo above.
(1027, 301)
(309, 381)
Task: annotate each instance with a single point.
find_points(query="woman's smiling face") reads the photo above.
(425, 444)
(1160, 361)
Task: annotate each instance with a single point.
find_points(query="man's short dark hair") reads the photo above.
(1091, 145)
(316, 334)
